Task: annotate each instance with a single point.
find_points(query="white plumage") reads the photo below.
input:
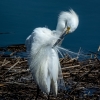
(43, 55)
(67, 19)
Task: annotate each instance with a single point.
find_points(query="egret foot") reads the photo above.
(48, 97)
(38, 90)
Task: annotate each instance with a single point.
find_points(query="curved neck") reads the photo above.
(62, 22)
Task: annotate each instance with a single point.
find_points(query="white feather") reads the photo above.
(67, 19)
(43, 57)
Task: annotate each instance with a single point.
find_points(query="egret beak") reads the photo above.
(62, 36)
(67, 31)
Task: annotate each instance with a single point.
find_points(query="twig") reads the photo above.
(3, 61)
(11, 68)
(5, 64)
(80, 78)
(78, 53)
(22, 61)
(12, 53)
(70, 67)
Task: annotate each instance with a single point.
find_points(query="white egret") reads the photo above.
(42, 47)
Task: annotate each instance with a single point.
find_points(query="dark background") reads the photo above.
(18, 18)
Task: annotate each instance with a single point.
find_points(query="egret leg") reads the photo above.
(38, 90)
(48, 97)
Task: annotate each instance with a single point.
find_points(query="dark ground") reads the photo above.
(82, 78)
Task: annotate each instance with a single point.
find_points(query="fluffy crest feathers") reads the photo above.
(67, 19)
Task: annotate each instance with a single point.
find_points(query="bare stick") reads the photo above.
(5, 63)
(70, 67)
(11, 68)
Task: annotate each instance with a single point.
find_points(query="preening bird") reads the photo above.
(43, 47)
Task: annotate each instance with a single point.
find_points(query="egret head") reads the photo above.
(67, 21)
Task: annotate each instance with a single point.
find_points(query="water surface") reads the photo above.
(20, 17)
